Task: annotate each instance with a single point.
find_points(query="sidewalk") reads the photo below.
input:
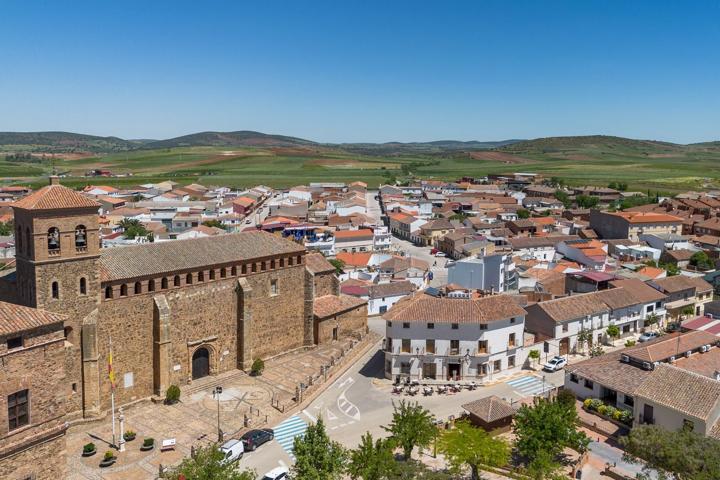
(194, 420)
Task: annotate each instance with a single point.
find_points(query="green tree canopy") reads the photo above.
(701, 260)
(586, 201)
(6, 229)
(466, 445)
(133, 228)
(548, 427)
(522, 213)
(207, 464)
(338, 264)
(681, 455)
(372, 460)
(316, 456)
(613, 332)
(412, 426)
(214, 223)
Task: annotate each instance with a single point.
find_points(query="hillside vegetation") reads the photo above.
(246, 158)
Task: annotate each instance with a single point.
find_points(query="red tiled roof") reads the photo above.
(363, 233)
(422, 308)
(15, 318)
(647, 217)
(355, 259)
(328, 305)
(54, 197)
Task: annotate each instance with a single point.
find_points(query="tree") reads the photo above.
(522, 213)
(466, 445)
(586, 201)
(6, 229)
(316, 456)
(372, 460)
(701, 261)
(133, 228)
(566, 397)
(584, 337)
(546, 428)
(613, 332)
(689, 310)
(562, 196)
(338, 264)
(207, 464)
(215, 223)
(681, 454)
(652, 320)
(412, 426)
(534, 355)
(671, 269)
(412, 470)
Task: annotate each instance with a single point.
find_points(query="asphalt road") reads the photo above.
(360, 400)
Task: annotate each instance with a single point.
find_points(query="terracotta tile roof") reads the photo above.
(166, 257)
(53, 197)
(16, 318)
(354, 259)
(651, 272)
(490, 409)
(641, 291)
(647, 217)
(674, 344)
(391, 289)
(317, 263)
(423, 308)
(681, 390)
(244, 201)
(573, 307)
(329, 305)
(361, 234)
(678, 283)
(398, 264)
(609, 371)
(705, 364)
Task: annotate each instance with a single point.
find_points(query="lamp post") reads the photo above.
(216, 393)
(122, 430)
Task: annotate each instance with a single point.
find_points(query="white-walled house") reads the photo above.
(672, 381)
(442, 338)
(380, 297)
(627, 305)
(539, 248)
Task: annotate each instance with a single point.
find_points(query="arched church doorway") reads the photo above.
(200, 363)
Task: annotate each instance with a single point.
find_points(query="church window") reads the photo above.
(138, 288)
(212, 274)
(83, 286)
(233, 271)
(108, 292)
(55, 290)
(151, 285)
(223, 272)
(53, 239)
(243, 269)
(164, 283)
(123, 290)
(176, 280)
(188, 279)
(201, 276)
(80, 236)
(18, 409)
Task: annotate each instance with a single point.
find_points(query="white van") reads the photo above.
(278, 473)
(233, 451)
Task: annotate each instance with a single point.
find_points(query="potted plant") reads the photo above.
(172, 395)
(89, 450)
(108, 459)
(129, 436)
(257, 367)
(148, 444)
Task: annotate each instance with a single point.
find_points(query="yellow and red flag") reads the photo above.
(111, 372)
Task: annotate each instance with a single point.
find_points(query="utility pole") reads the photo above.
(111, 376)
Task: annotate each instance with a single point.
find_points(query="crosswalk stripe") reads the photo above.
(528, 385)
(286, 432)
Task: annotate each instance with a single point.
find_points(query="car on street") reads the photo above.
(554, 364)
(232, 450)
(647, 336)
(277, 473)
(254, 438)
(440, 254)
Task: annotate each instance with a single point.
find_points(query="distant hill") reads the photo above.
(244, 138)
(604, 143)
(63, 142)
(438, 146)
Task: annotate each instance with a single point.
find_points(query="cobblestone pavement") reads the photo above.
(193, 421)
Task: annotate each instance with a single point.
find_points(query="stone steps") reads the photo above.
(209, 383)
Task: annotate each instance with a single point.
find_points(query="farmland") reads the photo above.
(642, 165)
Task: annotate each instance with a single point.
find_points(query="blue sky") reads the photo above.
(363, 70)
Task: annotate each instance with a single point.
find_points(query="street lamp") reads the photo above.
(216, 393)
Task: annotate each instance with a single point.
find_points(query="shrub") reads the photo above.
(630, 343)
(602, 409)
(257, 367)
(108, 455)
(148, 442)
(610, 411)
(88, 447)
(595, 404)
(617, 414)
(626, 416)
(129, 434)
(587, 403)
(173, 394)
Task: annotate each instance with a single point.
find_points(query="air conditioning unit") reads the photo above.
(647, 366)
(687, 354)
(625, 358)
(672, 359)
(704, 348)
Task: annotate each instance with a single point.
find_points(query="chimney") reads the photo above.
(54, 180)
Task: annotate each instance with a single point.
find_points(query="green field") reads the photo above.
(642, 165)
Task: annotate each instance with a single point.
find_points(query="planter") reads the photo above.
(129, 438)
(147, 448)
(108, 462)
(89, 453)
(610, 419)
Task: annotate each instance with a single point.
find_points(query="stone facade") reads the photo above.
(187, 309)
(33, 448)
(346, 323)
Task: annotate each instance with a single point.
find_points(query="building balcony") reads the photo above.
(54, 252)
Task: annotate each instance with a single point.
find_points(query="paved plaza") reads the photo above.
(246, 401)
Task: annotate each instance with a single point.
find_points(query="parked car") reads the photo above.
(254, 438)
(440, 254)
(277, 473)
(647, 336)
(233, 451)
(554, 364)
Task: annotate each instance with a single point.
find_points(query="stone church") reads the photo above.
(172, 312)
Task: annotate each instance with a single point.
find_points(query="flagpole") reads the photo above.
(111, 375)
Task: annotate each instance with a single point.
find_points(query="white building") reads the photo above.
(441, 338)
(495, 272)
(539, 248)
